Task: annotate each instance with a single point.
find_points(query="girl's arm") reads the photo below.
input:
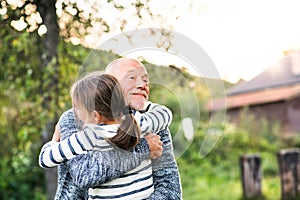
(53, 153)
(157, 118)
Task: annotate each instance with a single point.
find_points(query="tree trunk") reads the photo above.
(50, 174)
(49, 87)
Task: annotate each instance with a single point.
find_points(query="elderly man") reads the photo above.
(93, 169)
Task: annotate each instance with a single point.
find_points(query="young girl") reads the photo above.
(98, 101)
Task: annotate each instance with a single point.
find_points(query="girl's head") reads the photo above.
(98, 98)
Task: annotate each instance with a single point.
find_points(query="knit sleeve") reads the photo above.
(166, 176)
(157, 118)
(68, 124)
(52, 153)
(98, 167)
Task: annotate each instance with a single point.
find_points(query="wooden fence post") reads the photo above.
(251, 175)
(289, 170)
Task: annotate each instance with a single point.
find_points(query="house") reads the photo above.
(274, 94)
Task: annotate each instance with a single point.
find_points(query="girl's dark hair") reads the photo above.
(103, 93)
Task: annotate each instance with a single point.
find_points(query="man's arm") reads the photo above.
(166, 176)
(66, 189)
(98, 167)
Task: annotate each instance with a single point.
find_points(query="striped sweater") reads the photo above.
(135, 184)
(97, 167)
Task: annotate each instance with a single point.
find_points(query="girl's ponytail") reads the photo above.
(128, 134)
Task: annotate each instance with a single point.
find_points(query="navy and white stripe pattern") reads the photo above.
(135, 184)
(157, 118)
(92, 136)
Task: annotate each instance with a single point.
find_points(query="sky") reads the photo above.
(243, 37)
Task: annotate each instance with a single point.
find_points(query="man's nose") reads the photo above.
(140, 83)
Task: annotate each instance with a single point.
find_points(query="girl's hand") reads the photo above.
(155, 145)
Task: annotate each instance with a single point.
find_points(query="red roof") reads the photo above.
(256, 97)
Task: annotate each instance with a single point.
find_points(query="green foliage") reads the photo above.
(20, 125)
(22, 113)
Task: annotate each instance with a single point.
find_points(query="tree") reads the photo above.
(51, 21)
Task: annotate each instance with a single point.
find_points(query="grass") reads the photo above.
(217, 183)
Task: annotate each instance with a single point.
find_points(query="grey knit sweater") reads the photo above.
(95, 168)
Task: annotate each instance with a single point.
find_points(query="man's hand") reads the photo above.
(56, 134)
(155, 145)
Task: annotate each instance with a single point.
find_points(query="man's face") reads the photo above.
(134, 81)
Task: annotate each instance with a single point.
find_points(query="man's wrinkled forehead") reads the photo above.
(138, 70)
(128, 68)
(122, 64)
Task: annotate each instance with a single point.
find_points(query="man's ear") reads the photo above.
(97, 117)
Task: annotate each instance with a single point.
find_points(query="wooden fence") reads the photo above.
(251, 175)
(289, 172)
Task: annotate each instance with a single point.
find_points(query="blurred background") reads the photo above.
(253, 44)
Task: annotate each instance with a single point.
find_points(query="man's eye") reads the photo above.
(131, 77)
